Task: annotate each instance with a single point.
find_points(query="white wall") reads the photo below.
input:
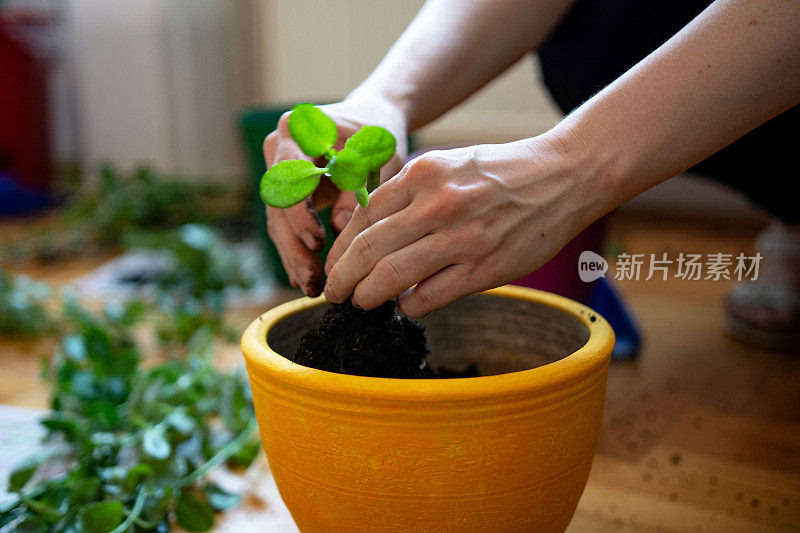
(159, 81)
(156, 83)
(116, 51)
(314, 53)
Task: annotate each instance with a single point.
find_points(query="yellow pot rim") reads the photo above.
(585, 362)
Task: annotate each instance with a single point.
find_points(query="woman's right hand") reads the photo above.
(297, 231)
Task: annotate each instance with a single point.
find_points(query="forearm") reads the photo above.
(454, 222)
(454, 47)
(734, 67)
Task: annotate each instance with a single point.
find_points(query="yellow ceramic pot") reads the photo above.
(498, 453)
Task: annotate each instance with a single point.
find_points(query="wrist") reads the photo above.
(387, 101)
(595, 165)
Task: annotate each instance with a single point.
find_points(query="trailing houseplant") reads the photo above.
(23, 307)
(129, 447)
(100, 215)
(131, 442)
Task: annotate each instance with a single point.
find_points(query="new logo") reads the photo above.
(591, 266)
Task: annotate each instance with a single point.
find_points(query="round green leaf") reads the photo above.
(155, 444)
(289, 182)
(313, 131)
(72, 428)
(22, 474)
(30, 524)
(49, 507)
(137, 475)
(84, 490)
(219, 499)
(181, 421)
(74, 347)
(348, 170)
(101, 517)
(247, 453)
(194, 514)
(375, 144)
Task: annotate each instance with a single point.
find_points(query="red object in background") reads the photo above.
(560, 274)
(24, 128)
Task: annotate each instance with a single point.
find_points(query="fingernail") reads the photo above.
(330, 296)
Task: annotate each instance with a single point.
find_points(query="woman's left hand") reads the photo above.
(455, 222)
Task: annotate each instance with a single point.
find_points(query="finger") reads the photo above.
(398, 271)
(384, 201)
(342, 210)
(306, 224)
(303, 266)
(370, 246)
(274, 223)
(444, 287)
(303, 220)
(270, 145)
(279, 145)
(287, 149)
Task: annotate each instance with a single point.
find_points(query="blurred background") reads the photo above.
(166, 83)
(130, 152)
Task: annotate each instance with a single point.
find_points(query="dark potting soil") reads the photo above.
(376, 343)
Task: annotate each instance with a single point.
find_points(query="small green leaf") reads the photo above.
(84, 490)
(362, 196)
(155, 444)
(247, 453)
(137, 475)
(181, 421)
(47, 510)
(74, 347)
(71, 427)
(219, 499)
(194, 514)
(348, 170)
(157, 504)
(101, 517)
(30, 524)
(21, 475)
(375, 144)
(289, 182)
(313, 131)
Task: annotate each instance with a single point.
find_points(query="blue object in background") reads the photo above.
(607, 301)
(15, 200)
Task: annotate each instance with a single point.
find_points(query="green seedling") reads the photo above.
(356, 167)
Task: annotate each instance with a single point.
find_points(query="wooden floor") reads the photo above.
(701, 433)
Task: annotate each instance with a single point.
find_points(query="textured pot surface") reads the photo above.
(504, 452)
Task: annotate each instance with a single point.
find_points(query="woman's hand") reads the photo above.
(459, 221)
(297, 231)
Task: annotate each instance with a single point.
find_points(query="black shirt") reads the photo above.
(599, 40)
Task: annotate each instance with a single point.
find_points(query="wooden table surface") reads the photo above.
(700, 433)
